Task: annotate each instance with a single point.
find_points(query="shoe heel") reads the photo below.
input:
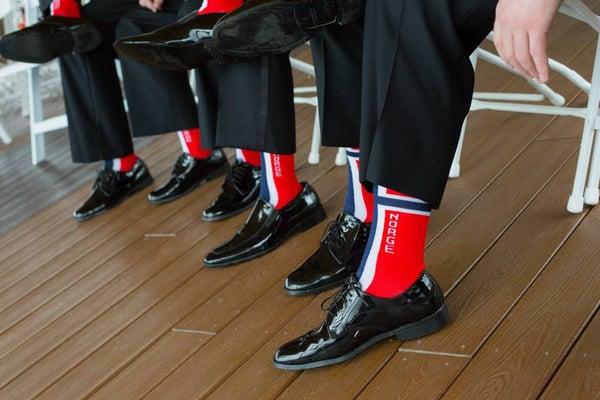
(427, 326)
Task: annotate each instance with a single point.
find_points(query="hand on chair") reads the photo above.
(520, 33)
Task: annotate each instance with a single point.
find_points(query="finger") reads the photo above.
(147, 4)
(523, 58)
(503, 46)
(539, 52)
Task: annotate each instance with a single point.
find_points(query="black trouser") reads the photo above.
(248, 105)
(417, 85)
(159, 101)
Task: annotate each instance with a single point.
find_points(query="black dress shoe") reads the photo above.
(51, 37)
(355, 321)
(266, 228)
(337, 257)
(239, 191)
(189, 173)
(263, 27)
(181, 46)
(111, 188)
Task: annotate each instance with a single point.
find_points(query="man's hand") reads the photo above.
(152, 5)
(520, 34)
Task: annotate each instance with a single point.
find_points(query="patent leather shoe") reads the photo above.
(356, 321)
(337, 257)
(189, 173)
(266, 228)
(49, 38)
(263, 27)
(238, 193)
(111, 188)
(183, 45)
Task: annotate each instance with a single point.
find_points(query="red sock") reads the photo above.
(65, 8)
(191, 144)
(251, 157)
(219, 6)
(359, 201)
(278, 183)
(394, 257)
(122, 164)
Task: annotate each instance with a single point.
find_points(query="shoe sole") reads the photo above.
(175, 58)
(39, 48)
(243, 34)
(313, 219)
(140, 186)
(209, 177)
(424, 327)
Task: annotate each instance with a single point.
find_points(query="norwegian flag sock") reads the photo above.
(191, 143)
(279, 184)
(394, 256)
(251, 157)
(65, 8)
(122, 164)
(218, 6)
(359, 201)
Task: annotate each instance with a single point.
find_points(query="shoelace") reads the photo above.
(335, 234)
(350, 286)
(238, 174)
(105, 181)
(181, 163)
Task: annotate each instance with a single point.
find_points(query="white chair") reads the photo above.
(32, 100)
(589, 152)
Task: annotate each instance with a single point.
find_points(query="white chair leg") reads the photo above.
(340, 157)
(4, 136)
(38, 147)
(576, 200)
(455, 167)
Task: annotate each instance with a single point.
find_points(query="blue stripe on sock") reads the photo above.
(408, 205)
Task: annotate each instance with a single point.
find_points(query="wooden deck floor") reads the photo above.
(121, 307)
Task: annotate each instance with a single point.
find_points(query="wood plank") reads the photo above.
(83, 265)
(518, 359)
(41, 345)
(579, 375)
(253, 282)
(64, 270)
(413, 376)
(490, 289)
(39, 227)
(226, 305)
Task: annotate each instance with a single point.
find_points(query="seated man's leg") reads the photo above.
(410, 126)
(343, 243)
(63, 32)
(259, 115)
(162, 101)
(98, 124)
